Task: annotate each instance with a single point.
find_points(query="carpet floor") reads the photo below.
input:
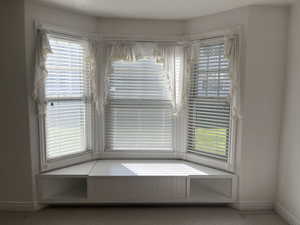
(178, 215)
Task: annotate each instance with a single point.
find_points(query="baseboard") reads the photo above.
(20, 206)
(287, 215)
(252, 205)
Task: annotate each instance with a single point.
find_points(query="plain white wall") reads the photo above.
(289, 169)
(262, 103)
(141, 28)
(15, 159)
(263, 58)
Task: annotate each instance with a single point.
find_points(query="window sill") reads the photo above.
(137, 181)
(165, 155)
(210, 162)
(138, 155)
(66, 161)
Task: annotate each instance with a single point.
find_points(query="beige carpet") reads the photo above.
(140, 216)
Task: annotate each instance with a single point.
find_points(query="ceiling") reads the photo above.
(155, 9)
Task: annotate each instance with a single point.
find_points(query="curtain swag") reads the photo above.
(41, 52)
(133, 51)
(92, 74)
(232, 50)
(188, 61)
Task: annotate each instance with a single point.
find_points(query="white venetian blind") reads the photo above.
(139, 112)
(209, 108)
(66, 92)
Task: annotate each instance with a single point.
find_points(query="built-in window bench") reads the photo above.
(137, 181)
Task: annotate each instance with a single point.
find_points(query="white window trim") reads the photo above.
(213, 162)
(179, 123)
(109, 153)
(143, 154)
(63, 161)
(88, 154)
(236, 123)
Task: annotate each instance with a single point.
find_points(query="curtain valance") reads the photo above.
(165, 54)
(42, 50)
(133, 51)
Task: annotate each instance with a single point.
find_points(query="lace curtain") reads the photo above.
(132, 51)
(41, 52)
(92, 74)
(232, 54)
(189, 56)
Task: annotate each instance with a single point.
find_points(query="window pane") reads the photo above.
(139, 127)
(211, 73)
(139, 80)
(209, 108)
(139, 114)
(65, 128)
(66, 69)
(66, 90)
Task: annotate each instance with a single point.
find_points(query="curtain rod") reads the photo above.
(179, 41)
(210, 38)
(145, 41)
(177, 38)
(140, 39)
(67, 35)
(53, 29)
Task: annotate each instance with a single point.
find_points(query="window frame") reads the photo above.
(145, 154)
(229, 164)
(66, 160)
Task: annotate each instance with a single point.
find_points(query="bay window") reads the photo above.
(148, 88)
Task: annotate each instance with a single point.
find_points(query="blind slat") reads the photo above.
(65, 89)
(139, 113)
(209, 111)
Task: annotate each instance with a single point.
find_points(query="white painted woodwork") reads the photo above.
(137, 181)
(136, 189)
(62, 189)
(152, 168)
(82, 169)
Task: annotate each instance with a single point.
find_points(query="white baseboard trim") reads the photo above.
(287, 215)
(252, 206)
(19, 206)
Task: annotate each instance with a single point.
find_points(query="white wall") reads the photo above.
(289, 170)
(15, 161)
(141, 28)
(262, 103)
(264, 33)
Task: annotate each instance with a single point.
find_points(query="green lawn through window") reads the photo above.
(211, 140)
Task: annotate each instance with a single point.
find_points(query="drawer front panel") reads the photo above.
(136, 189)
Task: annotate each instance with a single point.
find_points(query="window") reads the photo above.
(154, 103)
(209, 107)
(139, 112)
(67, 119)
